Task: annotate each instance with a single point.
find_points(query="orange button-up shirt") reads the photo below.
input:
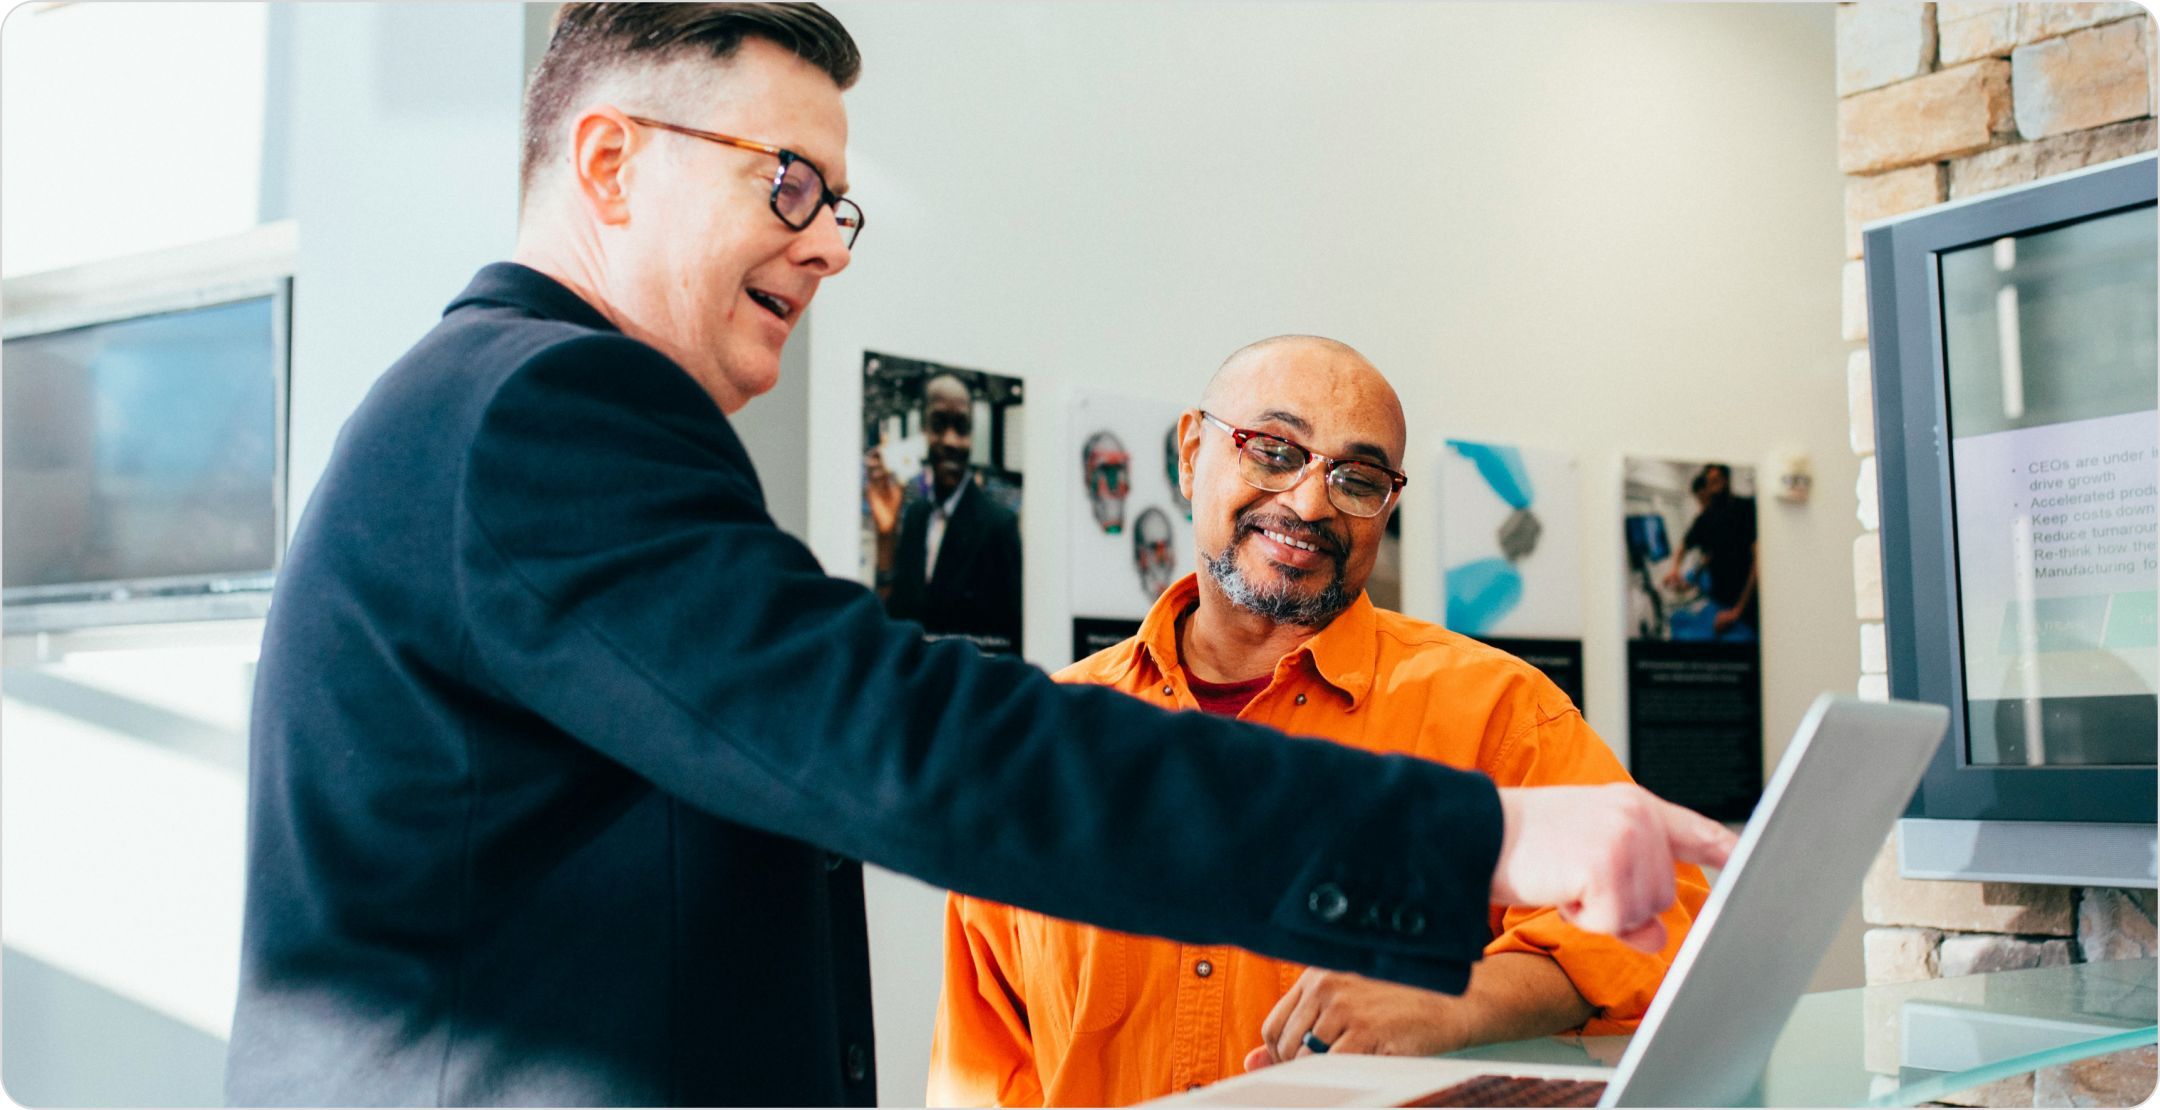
(1041, 1011)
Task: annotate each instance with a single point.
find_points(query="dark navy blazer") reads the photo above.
(561, 753)
(974, 590)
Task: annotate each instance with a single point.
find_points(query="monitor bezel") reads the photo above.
(1920, 588)
(94, 601)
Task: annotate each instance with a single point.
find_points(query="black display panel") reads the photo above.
(2013, 341)
(143, 455)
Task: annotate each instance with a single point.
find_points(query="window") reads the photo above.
(128, 127)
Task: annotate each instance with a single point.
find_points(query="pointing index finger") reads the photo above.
(1695, 838)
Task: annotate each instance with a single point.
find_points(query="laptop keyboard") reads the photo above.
(1516, 1090)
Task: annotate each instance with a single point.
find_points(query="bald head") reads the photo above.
(1315, 382)
(1290, 556)
(946, 389)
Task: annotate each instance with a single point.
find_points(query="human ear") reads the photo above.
(602, 140)
(1188, 431)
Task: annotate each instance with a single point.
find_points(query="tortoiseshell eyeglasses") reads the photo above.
(798, 188)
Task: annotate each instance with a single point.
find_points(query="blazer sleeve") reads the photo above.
(619, 578)
(1617, 980)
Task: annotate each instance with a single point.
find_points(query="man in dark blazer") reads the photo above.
(956, 562)
(562, 752)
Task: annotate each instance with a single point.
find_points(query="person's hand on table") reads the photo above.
(1350, 1013)
(1601, 855)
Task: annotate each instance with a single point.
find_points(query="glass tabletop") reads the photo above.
(1902, 1044)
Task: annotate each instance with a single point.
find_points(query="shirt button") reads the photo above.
(858, 1064)
(1166, 689)
(1328, 903)
(1301, 699)
(1203, 969)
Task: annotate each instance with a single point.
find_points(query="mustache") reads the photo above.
(946, 453)
(1327, 541)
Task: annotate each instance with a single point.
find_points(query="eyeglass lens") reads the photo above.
(801, 191)
(1275, 465)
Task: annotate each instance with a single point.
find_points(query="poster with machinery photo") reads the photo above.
(1511, 551)
(1130, 525)
(1694, 602)
(941, 497)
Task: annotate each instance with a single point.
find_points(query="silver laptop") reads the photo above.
(1707, 1036)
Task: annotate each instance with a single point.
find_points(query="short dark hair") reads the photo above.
(591, 39)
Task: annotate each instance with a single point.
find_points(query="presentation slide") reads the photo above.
(2056, 559)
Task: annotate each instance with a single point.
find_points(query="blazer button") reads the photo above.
(1328, 903)
(1203, 969)
(858, 1064)
(1409, 922)
(834, 861)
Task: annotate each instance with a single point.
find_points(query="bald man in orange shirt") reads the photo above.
(1291, 466)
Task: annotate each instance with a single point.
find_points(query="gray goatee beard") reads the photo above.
(1282, 604)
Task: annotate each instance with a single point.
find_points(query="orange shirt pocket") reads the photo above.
(1076, 979)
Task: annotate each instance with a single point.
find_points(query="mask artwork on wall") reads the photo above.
(1115, 577)
(1170, 472)
(1106, 468)
(1154, 553)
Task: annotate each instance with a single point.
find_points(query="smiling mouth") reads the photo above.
(778, 306)
(1287, 541)
(1313, 538)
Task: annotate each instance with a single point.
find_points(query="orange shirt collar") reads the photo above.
(1343, 654)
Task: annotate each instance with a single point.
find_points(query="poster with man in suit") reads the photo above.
(941, 524)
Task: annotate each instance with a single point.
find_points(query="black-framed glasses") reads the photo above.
(1269, 462)
(798, 188)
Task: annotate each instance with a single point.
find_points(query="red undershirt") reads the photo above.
(1226, 699)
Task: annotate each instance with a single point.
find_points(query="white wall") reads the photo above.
(84, 141)
(1607, 229)
(403, 178)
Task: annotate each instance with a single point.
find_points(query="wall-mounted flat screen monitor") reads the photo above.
(2049, 347)
(143, 461)
(2015, 342)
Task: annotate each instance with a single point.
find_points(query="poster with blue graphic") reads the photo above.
(1693, 583)
(1511, 551)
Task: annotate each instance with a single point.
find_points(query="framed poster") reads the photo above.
(1130, 527)
(941, 497)
(1694, 602)
(1511, 553)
